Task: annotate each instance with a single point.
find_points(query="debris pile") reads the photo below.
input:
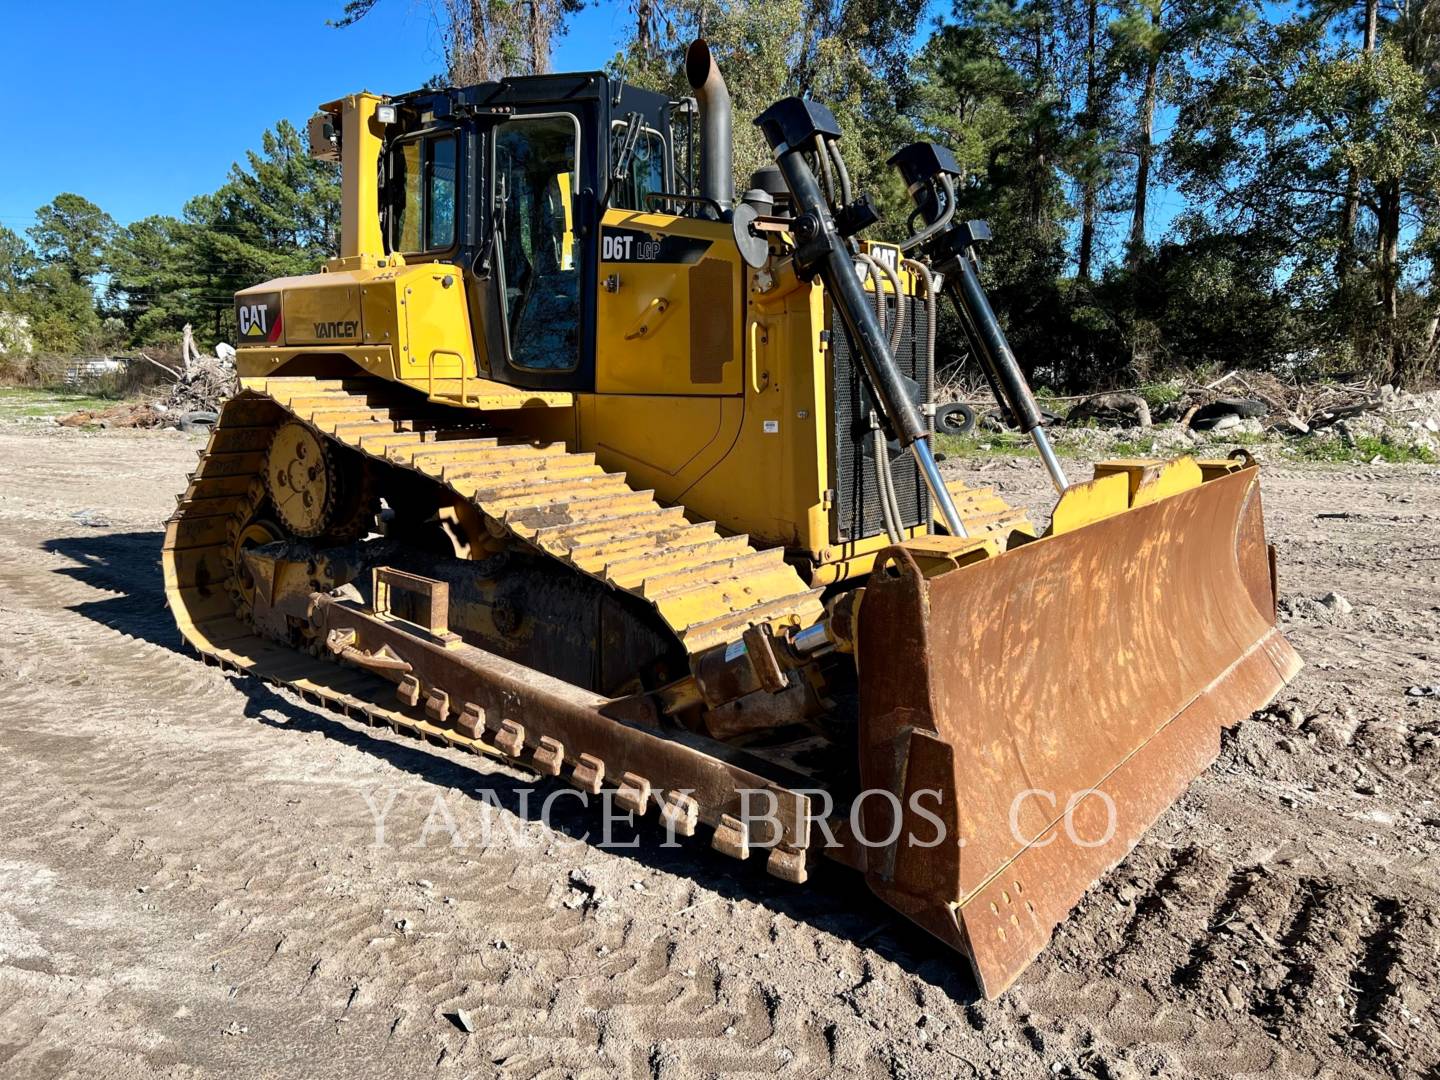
(192, 401)
(1396, 418)
(204, 387)
(1240, 406)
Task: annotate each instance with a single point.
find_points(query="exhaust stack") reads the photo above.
(717, 180)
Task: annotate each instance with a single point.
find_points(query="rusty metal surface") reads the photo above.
(555, 726)
(1097, 666)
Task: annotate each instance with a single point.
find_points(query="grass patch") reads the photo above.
(1051, 401)
(1157, 394)
(30, 403)
(1129, 448)
(993, 443)
(1363, 450)
(1250, 438)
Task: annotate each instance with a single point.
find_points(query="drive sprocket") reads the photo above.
(317, 487)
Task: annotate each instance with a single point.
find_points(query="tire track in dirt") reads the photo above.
(1232, 898)
(742, 1022)
(1372, 977)
(1313, 913)
(1171, 884)
(267, 907)
(274, 959)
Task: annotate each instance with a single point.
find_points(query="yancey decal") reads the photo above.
(258, 318)
(639, 246)
(345, 328)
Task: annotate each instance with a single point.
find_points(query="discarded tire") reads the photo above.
(1208, 416)
(957, 418)
(198, 420)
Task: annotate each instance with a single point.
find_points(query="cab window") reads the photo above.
(535, 184)
(646, 174)
(422, 194)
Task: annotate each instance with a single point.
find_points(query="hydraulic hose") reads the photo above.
(927, 169)
(833, 198)
(884, 483)
(840, 170)
(932, 309)
(947, 188)
(895, 327)
(790, 127)
(884, 476)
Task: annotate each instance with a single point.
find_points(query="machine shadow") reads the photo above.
(127, 566)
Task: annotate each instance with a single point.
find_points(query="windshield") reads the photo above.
(535, 161)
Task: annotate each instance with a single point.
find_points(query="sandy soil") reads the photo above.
(190, 884)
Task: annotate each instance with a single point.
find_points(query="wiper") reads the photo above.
(623, 154)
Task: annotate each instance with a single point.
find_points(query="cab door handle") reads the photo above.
(650, 318)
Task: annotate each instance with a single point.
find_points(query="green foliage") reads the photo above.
(1298, 135)
(988, 443)
(278, 214)
(1162, 393)
(485, 40)
(61, 312)
(1305, 150)
(17, 262)
(850, 54)
(152, 280)
(1209, 298)
(72, 233)
(29, 402)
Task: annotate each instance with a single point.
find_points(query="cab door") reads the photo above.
(538, 285)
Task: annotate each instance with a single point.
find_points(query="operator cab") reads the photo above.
(509, 180)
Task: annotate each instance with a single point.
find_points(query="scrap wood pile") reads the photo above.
(1256, 404)
(201, 385)
(204, 386)
(1287, 408)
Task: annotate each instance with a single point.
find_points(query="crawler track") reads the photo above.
(706, 587)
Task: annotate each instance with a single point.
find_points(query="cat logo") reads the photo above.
(254, 319)
(886, 255)
(258, 318)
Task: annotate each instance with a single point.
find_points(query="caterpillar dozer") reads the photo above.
(575, 457)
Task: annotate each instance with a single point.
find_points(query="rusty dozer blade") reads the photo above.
(1055, 699)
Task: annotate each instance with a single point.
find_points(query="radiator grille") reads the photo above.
(856, 507)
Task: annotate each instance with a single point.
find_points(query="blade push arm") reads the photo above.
(927, 169)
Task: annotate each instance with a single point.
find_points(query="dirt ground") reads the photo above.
(190, 884)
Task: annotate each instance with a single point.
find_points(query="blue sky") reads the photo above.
(155, 100)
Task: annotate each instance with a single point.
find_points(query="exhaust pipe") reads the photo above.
(717, 179)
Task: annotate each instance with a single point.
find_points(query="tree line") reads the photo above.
(78, 283)
(1171, 184)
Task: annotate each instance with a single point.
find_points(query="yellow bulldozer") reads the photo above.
(575, 457)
